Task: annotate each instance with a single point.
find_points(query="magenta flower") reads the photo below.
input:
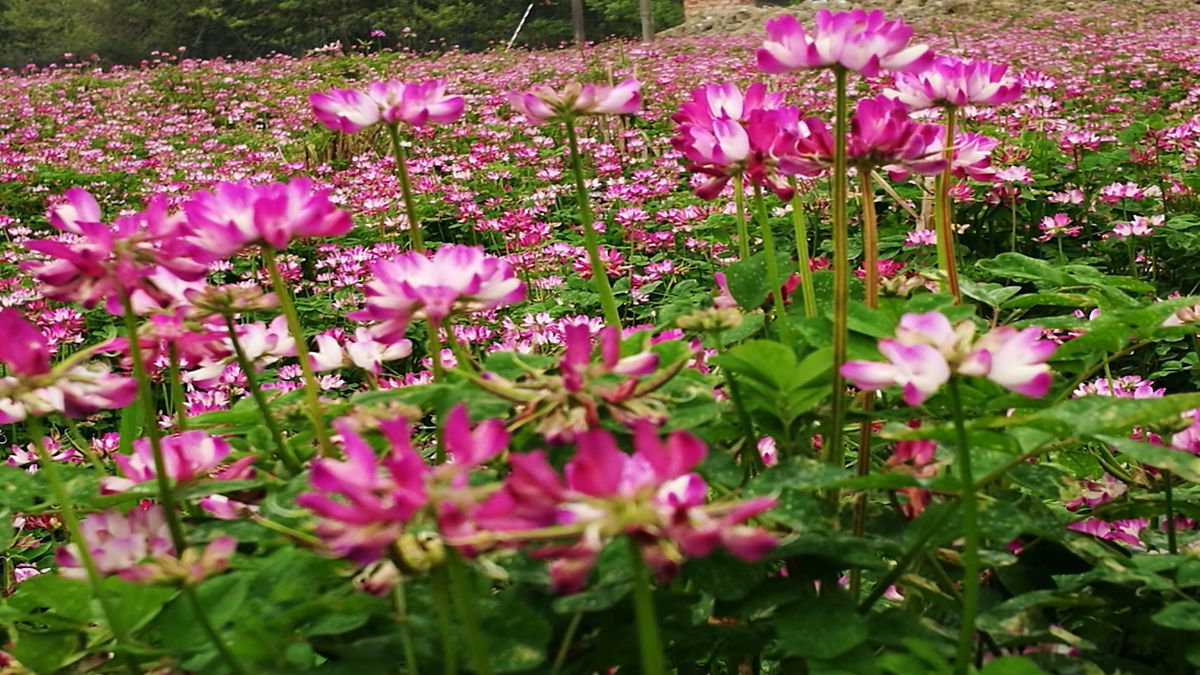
(1140, 226)
(32, 387)
(455, 278)
(952, 82)
(236, 215)
(761, 148)
(927, 350)
(576, 364)
(972, 157)
(883, 135)
(856, 40)
(653, 496)
(725, 102)
(143, 256)
(137, 547)
(575, 99)
(374, 497)
(345, 110)
(1058, 225)
(186, 456)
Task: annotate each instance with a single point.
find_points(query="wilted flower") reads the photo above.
(856, 40)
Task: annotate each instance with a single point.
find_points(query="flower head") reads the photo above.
(186, 456)
(952, 82)
(856, 40)
(454, 279)
(235, 215)
(415, 104)
(575, 99)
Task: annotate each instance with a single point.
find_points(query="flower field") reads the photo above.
(853, 346)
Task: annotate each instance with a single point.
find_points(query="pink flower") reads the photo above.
(32, 387)
(236, 215)
(415, 104)
(883, 135)
(456, 278)
(713, 102)
(953, 82)
(919, 369)
(374, 497)
(345, 110)
(576, 363)
(1188, 440)
(186, 456)
(1057, 225)
(972, 156)
(1018, 359)
(1140, 226)
(856, 40)
(143, 256)
(544, 103)
(920, 238)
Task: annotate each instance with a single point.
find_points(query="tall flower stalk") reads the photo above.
(649, 642)
(468, 612)
(970, 525)
(590, 241)
(312, 392)
(773, 278)
(416, 240)
(166, 492)
(944, 210)
(800, 226)
(834, 439)
(739, 200)
(248, 370)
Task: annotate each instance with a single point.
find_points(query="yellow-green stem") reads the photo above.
(468, 612)
(739, 200)
(781, 317)
(649, 642)
(406, 640)
(312, 392)
(970, 523)
(410, 208)
(176, 386)
(166, 492)
(802, 252)
(870, 230)
(944, 210)
(251, 374)
(834, 438)
(590, 241)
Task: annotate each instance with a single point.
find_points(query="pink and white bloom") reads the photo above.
(544, 103)
(949, 81)
(1140, 226)
(345, 110)
(187, 456)
(415, 104)
(1058, 225)
(235, 215)
(1017, 359)
(713, 102)
(856, 40)
(455, 278)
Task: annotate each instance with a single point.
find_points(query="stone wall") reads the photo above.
(693, 9)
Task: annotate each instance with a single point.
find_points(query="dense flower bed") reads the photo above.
(853, 347)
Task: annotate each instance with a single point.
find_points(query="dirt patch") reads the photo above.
(747, 20)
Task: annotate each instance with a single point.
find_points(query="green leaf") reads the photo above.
(1183, 464)
(1179, 616)
(1091, 415)
(819, 629)
(518, 636)
(747, 279)
(46, 652)
(1012, 665)
(764, 361)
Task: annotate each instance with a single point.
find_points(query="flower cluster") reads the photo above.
(392, 102)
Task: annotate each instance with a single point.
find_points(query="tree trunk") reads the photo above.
(647, 20)
(577, 21)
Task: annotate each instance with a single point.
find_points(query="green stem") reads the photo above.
(312, 393)
(435, 351)
(906, 559)
(649, 642)
(176, 386)
(781, 317)
(1062, 257)
(945, 211)
(468, 612)
(410, 208)
(870, 229)
(63, 500)
(802, 252)
(561, 657)
(970, 556)
(406, 640)
(1012, 244)
(441, 605)
(590, 241)
(248, 370)
(83, 446)
(464, 357)
(214, 637)
(166, 492)
(1172, 543)
(1133, 270)
(739, 200)
(834, 438)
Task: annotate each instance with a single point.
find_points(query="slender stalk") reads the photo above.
(312, 393)
(805, 258)
(590, 241)
(83, 447)
(441, 609)
(435, 351)
(406, 640)
(945, 211)
(1062, 257)
(468, 613)
(739, 200)
(970, 556)
(166, 492)
(561, 657)
(410, 208)
(1012, 244)
(834, 438)
(176, 386)
(285, 453)
(65, 511)
(870, 228)
(906, 559)
(1133, 270)
(781, 318)
(649, 643)
(1172, 543)
(235, 666)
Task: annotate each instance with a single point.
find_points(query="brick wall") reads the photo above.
(697, 8)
